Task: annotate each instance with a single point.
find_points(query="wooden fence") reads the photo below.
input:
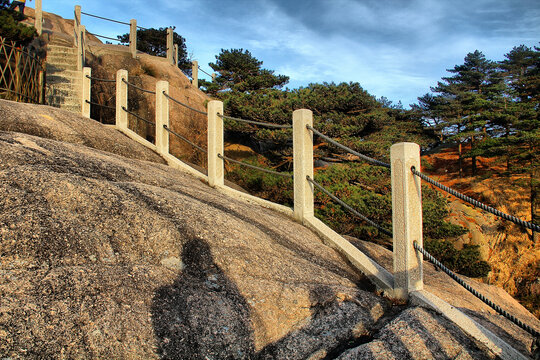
(21, 74)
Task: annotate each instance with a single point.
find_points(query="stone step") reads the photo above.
(59, 66)
(58, 57)
(56, 49)
(60, 100)
(65, 88)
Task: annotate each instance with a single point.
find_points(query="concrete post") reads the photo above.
(86, 88)
(162, 117)
(133, 38)
(121, 99)
(215, 143)
(302, 164)
(77, 21)
(41, 87)
(406, 219)
(170, 45)
(80, 47)
(213, 77)
(175, 61)
(38, 24)
(195, 74)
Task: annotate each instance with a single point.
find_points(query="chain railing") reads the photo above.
(21, 74)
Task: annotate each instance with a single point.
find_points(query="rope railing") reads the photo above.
(270, 125)
(349, 208)
(184, 105)
(101, 105)
(98, 79)
(138, 88)
(111, 20)
(348, 149)
(137, 116)
(254, 167)
(469, 288)
(185, 139)
(104, 37)
(204, 71)
(476, 203)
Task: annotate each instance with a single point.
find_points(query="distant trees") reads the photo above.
(154, 42)
(238, 70)
(493, 106)
(10, 27)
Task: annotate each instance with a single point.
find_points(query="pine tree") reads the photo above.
(238, 70)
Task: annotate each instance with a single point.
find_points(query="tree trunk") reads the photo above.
(460, 161)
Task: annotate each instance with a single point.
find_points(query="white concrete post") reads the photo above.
(170, 45)
(213, 77)
(406, 219)
(175, 61)
(195, 74)
(77, 21)
(38, 24)
(86, 86)
(302, 164)
(80, 48)
(162, 117)
(215, 143)
(133, 38)
(121, 99)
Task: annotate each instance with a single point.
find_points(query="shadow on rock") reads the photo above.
(202, 315)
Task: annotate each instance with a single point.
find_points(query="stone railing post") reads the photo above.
(302, 164)
(41, 87)
(38, 24)
(170, 45)
(175, 59)
(86, 88)
(121, 99)
(77, 22)
(195, 74)
(213, 77)
(162, 117)
(80, 47)
(406, 219)
(215, 143)
(133, 38)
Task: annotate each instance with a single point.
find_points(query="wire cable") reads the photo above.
(104, 37)
(138, 88)
(137, 116)
(256, 122)
(476, 203)
(348, 149)
(185, 105)
(185, 139)
(104, 106)
(254, 167)
(348, 207)
(490, 303)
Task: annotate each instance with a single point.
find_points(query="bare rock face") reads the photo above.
(102, 256)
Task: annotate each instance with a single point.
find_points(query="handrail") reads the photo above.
(138, 88)
(270, 125)
(254, 167)
(184, 105)
(185, 139)
(111, 20)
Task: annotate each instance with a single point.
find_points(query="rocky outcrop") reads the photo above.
(104, 256)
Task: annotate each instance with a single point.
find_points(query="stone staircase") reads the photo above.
(63, 79)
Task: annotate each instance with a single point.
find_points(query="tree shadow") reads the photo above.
(202, 315)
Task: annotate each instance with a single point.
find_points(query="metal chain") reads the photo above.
(185, 139)
(138, 88)
(476, 203)
(98, 79)
(185, 105)
(346, 206)
(348, 149)
(105, 106)
(256, 122)
(461, 282)
(137, 116)
(254, 167)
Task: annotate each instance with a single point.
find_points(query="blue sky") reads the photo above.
(393, 48)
